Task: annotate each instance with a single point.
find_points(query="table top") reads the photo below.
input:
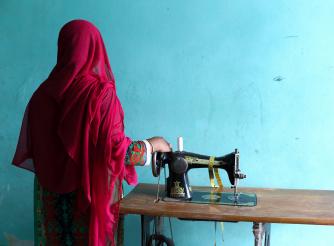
(293, 206)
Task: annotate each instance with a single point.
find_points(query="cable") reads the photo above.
(171, 229)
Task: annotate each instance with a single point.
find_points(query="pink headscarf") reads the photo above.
(73, 130)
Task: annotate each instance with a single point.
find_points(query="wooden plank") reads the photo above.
(293, 206)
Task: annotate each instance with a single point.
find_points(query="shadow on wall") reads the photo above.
(13, 241)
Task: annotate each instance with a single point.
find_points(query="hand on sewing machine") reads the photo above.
(159, 144)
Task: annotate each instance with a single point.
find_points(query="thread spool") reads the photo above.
(180, 143)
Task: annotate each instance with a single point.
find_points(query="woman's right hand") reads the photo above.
(159, 144)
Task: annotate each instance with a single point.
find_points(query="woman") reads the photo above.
(72, 137)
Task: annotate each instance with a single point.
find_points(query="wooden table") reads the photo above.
(291, 206)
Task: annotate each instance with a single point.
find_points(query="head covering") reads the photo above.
(72, 134)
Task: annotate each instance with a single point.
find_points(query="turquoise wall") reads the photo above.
(257, 75)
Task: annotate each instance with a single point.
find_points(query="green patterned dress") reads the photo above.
(57, 222)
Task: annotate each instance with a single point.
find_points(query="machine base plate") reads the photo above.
(219, 198)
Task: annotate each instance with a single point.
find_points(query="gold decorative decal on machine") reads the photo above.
(199, 161)
(191, 159)
(177, 191)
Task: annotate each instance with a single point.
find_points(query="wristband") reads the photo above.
(151, 145)
(149, 152)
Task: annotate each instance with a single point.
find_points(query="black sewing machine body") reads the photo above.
(178, 187)
(180, 162)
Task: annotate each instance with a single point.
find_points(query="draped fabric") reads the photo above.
(72, 135)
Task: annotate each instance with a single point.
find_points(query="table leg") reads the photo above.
(260, 229)
(258, 232)
(158, 225)
(267, 234)
(145, 228)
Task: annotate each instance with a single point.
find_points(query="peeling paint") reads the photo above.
(278, 78)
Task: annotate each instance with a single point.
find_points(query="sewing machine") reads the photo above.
(178, 187)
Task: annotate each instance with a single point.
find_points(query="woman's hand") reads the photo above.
(159, 144)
